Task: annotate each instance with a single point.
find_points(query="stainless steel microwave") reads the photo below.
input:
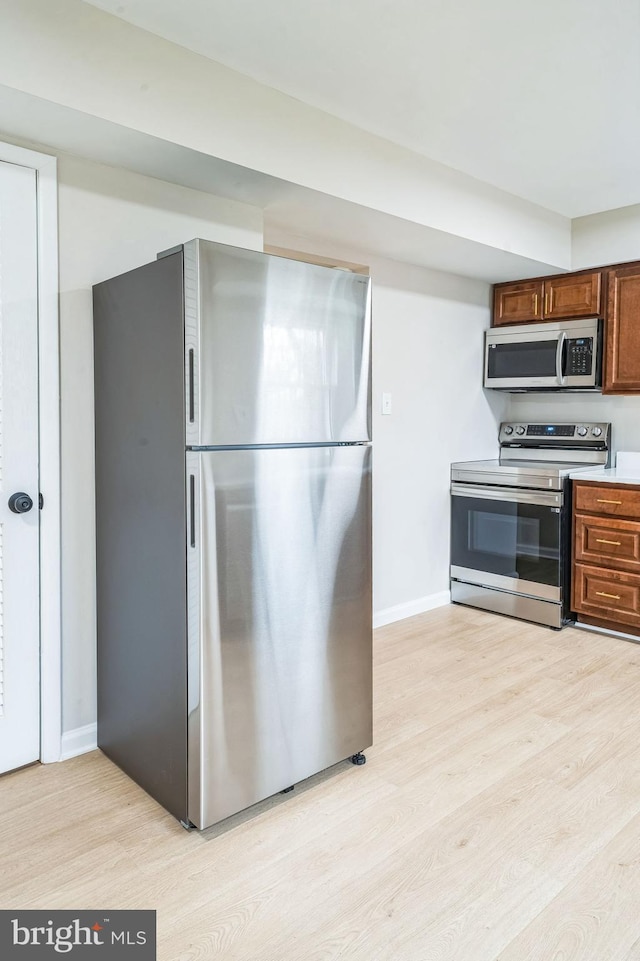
(544, 357)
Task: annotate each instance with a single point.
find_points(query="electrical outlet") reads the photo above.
(386, 404)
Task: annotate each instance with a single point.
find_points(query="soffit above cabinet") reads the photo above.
(295, 210)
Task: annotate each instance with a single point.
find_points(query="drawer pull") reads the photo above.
(603, 500)
(603, 540)
(615, 597)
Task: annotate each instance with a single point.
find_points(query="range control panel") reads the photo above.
(550, 430)
(517, 433)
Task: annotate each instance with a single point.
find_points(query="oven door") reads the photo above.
(508, 538)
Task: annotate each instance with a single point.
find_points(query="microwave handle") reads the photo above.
(562, 339)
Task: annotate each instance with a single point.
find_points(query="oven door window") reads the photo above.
(501, 537)
(536, 358)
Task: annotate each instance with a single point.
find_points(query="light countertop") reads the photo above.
(613, 475)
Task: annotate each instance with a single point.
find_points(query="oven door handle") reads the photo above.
(509, 494)
(562, 339)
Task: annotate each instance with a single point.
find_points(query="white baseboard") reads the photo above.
(606, 630)
(419, 606)
(79, 741)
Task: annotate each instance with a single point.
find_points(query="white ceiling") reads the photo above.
(540, 98)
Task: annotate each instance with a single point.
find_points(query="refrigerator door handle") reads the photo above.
(191, 387)
(192, 510)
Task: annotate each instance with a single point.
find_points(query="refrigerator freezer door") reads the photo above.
(279, 601)
(276, 351)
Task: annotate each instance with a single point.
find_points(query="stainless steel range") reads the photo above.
(511, 519)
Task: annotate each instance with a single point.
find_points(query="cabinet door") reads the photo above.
(622, 361)
(517, 303)
(572, 296)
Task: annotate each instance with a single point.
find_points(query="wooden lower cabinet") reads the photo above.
(606, 555)
(607, 500)
(607, 595)
(603, 541)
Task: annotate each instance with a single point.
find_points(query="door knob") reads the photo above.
(20, 503)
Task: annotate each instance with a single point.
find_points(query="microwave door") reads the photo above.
(528, 361)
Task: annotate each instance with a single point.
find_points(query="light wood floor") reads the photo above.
(498, 817)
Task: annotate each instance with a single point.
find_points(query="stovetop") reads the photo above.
(539, 456)
(546, 475)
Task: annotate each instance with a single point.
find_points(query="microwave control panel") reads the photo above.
(579, 356)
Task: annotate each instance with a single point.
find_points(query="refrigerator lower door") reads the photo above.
(280, 623)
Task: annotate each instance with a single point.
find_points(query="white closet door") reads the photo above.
(19, 528)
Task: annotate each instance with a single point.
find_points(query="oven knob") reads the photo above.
(582, 432)
(508, 429)
(520, 430)
(596, 431)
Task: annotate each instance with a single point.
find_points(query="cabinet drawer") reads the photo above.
(607, 499)
(611, 595)
(607, 542)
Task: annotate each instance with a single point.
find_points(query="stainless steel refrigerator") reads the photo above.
(233, 509)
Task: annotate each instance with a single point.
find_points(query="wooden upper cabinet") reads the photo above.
(517, 303)
(622, 363)
(574, 295)
(612, 293)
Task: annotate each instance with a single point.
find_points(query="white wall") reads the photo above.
(622, 412)
(606, 238)
(110, 221)
(427, 352)
(428, 330)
